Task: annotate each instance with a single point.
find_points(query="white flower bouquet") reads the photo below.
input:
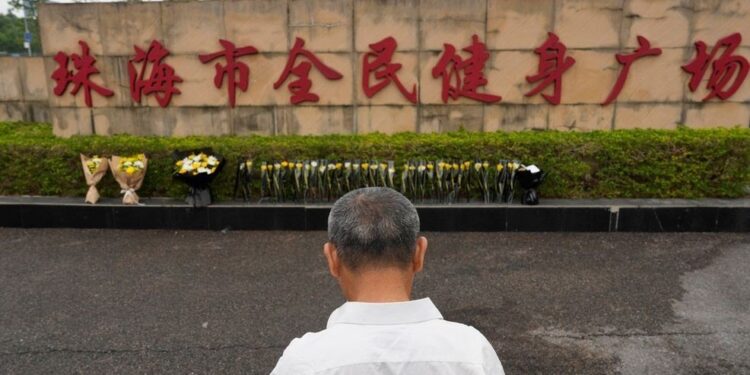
(197, 169)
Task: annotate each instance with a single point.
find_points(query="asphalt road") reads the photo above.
(136, 302)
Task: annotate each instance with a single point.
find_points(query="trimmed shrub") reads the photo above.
(615, 164)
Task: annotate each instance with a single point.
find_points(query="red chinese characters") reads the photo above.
(232, 68)
(379, 63)
(84, 66)
(463, 77)
(552, 64)
(161, 78)
(644, 49)
(461, 71)
(727, 70)
(300, 88)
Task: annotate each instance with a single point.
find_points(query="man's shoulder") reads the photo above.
(457, 328)
(431, 327)
(450, 344)
(308, 340)
(438, 334)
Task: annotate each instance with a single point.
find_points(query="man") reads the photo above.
(373, 251)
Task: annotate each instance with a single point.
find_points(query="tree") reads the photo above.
(12, 28)
(19, 5)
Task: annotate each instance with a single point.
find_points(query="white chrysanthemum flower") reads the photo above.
(212, 160)
(421, 168)
(314, 164)
(331, 166)
(348, 165)
(138, 164)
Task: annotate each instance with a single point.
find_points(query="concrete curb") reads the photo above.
(629, 215)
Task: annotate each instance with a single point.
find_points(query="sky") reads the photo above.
(3, 6)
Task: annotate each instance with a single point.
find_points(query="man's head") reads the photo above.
(374, 232)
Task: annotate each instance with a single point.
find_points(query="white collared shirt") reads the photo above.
(390, 338)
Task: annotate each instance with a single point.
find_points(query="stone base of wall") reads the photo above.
(23, 89)
(316, 120)
(34, 111)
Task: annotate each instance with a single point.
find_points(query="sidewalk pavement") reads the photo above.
(94, 301)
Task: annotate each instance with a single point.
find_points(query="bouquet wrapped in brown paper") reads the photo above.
(94, 168)
(129, 173)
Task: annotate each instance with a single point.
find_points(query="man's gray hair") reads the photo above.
(373, 226)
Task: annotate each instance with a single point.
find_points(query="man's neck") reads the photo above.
(378, 285)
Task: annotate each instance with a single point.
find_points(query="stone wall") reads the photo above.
(655, 95)
(23, 89)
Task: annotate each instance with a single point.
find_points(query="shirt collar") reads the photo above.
(367, 313)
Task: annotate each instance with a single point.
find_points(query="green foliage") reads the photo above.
(11, 34)
(28, 6)
(618, 164)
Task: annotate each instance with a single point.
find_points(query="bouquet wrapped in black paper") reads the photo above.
(197, 169)
(530, 177)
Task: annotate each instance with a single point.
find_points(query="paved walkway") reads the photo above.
(107, 301)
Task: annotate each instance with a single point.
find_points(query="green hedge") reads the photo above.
(625, 164)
